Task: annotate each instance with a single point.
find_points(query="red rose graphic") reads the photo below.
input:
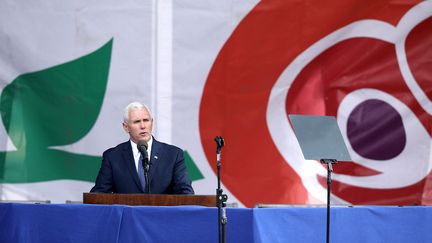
(249, 92)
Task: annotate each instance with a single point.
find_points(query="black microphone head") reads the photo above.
(142, 147)
(220, 142)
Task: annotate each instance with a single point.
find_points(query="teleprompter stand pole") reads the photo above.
(329, 163)
(220, 197)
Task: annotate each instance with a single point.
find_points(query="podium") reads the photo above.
(149, 199)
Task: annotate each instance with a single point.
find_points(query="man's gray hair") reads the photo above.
(134, 106)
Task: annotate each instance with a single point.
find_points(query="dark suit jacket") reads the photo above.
(167, 174)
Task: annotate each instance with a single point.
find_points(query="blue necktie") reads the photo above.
(141, 172)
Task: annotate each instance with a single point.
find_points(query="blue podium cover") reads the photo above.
(118, 223)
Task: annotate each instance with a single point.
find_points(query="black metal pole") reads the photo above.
(218, 201)
(220, 197)
(329, 170)
(146, 176)
(329, 163)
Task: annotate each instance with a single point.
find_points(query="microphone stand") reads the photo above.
(220, 197)
(146, 165)
(142, 148)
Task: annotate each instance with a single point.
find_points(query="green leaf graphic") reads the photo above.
(194, 173)
(53, 107)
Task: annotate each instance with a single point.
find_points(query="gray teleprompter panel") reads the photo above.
(319, 137)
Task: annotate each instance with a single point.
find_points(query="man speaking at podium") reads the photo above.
(151, 167)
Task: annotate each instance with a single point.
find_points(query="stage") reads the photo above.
(117, 223)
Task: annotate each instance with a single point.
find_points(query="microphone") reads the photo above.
(220, 142)
(142, 148)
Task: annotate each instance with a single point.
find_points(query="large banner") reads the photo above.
(231, 68)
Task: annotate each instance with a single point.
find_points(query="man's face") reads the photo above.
(139, 125)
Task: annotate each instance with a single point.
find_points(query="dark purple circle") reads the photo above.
(375, 130)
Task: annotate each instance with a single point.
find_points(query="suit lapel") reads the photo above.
(130, 164)
(154, 158)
